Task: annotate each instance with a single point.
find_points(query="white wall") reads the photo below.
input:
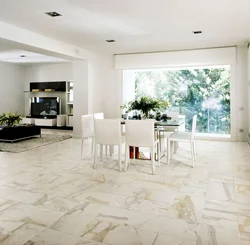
(11, 88)
(95, 84)
(112, 87)
(241, 94)
(248, 88)
(80, 78)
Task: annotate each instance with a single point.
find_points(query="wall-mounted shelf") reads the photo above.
(59, 86)
(69, 102)
(44, 92)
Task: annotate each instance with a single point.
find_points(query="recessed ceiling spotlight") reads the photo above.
(53, 14)
(110, 41)
(22, 56)
(197, 32)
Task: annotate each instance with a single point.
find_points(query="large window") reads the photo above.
(202, 91)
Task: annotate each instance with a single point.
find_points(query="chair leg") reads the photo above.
(176, 146)
(134, 155)
(101, 153)
(153, 159)
(106, 152)
(92, 146)
(194, 150)
(195, 146)
(192, 153)
(81, 148)
(169, 150)
(95, 156)
(120, 157)
(111, 150)
(126, 157)
(159, 154)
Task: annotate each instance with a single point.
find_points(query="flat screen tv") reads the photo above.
(45, 107)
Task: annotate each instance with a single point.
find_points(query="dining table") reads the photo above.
(160, 128)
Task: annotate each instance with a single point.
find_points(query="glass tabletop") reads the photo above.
(175, 123)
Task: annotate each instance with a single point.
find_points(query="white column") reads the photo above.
(80, 79)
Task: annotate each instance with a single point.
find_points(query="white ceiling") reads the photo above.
(11, 52)
(14, 56)
(136, 25)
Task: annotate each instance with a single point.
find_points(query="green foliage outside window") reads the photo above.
(205, 92)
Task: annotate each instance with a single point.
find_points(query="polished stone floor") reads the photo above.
(49, 196)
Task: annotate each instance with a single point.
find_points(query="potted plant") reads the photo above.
(10, 119)
(145, 104)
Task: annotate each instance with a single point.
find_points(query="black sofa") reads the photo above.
(11, 134)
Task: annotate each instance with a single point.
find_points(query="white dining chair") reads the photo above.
(108, 132)
(188, 137)
(141, 133)
(100, 115)
(87, 122)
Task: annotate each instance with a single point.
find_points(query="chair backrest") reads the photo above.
(99, 115)
(107, 131)
(174, 115)
(139, 132)
(193, 127)
(87, 125)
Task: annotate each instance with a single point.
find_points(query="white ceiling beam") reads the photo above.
(38, 43)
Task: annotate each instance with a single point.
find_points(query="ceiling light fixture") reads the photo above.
(110, 41)
(22, 56)
(53, 14)
(197, 32)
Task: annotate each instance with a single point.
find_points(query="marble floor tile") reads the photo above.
(61, 204)
(66, 201)
(162, 239)
(51, 237)
(244, 227)
(77, 218)
(4, 204)
(220, 191)
(194, 187)
(138, 220)
(15, 234)
(219, 219)
(32, 214)
(26, 197)
(179, 228)
(187, 207)
(113, 234)
(228, 207)
(5, 190)
(167, 195)
(72, 224)
(143, 201)
(214, 235)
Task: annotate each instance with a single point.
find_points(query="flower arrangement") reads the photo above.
(145, 104)
(10, 119)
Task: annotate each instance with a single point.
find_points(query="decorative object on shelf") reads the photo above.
(49, 90)
(10, 119)
(146, 104)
